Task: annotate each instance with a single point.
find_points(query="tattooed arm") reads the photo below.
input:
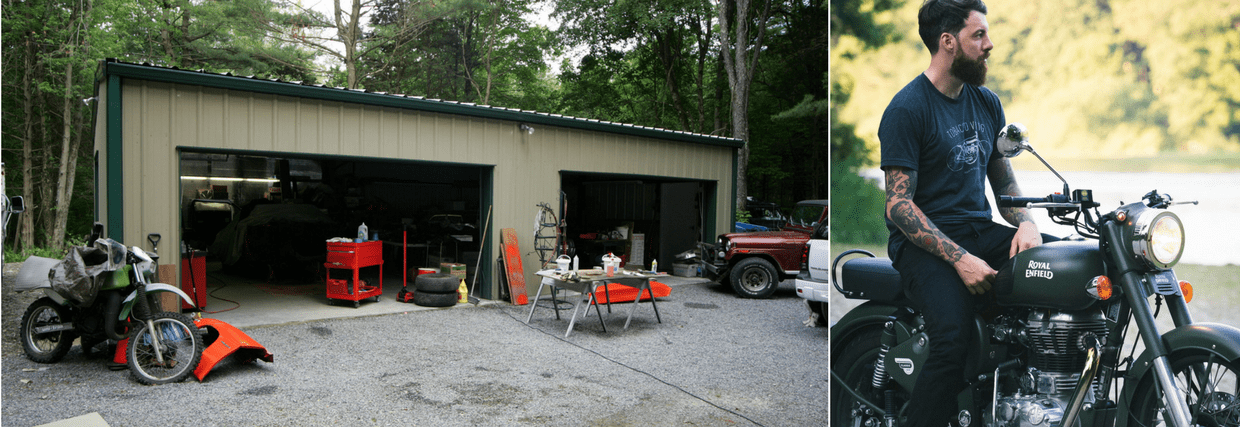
(1003, 182)
(901, 185)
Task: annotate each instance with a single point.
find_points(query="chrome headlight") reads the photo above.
(1158, 238)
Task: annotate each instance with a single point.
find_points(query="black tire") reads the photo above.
(49, 347)
(181, 347)
(435, 299)
(754, 278)
(855, 365)
(1220, 407)
(439, 283)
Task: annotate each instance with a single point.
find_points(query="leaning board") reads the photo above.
(512, 266)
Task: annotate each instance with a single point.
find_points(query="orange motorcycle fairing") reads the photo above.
(223, 340)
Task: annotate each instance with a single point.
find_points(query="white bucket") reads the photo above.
(610, 264)
(563, 262)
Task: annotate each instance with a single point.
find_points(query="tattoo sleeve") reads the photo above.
(1003, 182)
(901, 185)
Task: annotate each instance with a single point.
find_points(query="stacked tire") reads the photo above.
(436, 290)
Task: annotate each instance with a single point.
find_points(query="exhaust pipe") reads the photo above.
(1092, 361)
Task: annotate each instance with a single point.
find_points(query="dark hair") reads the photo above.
(944, 16)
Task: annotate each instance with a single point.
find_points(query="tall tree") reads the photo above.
(740, 51)
(669, 42)
(482, 51)
(76, 44)
(347, 35)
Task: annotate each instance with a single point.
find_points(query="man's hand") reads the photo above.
(976, 274)
(1027, 236)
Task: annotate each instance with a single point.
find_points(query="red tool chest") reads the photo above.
(354, 257)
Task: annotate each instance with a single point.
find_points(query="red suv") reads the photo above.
(755, 263)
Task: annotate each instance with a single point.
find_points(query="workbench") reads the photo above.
(586, 282)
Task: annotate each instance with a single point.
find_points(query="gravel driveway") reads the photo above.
(716, 360)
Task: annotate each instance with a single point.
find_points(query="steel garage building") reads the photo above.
(190, 154)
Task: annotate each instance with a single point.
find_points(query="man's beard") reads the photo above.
(969, 70)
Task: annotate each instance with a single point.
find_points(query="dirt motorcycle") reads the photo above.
(103, 291)
(1051, 352)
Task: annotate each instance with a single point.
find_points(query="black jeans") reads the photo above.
(948, 307)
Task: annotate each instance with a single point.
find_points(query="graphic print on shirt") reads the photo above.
(965, 154)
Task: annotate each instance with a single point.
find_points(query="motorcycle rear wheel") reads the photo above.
(48, 347)
(1219, 404)
(180, 343)
(855, 365)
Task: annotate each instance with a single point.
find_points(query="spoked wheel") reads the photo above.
(856, 367)
(46, 347)
(179, 346)
(1210, 383)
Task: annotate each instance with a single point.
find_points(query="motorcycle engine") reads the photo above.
(1057, 343)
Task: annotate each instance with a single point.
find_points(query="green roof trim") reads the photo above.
(112, 67)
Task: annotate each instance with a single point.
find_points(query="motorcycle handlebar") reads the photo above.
(1019, 202)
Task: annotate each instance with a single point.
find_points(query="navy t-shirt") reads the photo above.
(948, 142)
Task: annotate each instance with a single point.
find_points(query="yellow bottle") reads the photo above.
(463, 292)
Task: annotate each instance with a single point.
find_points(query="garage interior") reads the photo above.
(636, 218)
(256, 223)
(261, 220)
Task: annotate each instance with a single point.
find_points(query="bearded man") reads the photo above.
(938, 148)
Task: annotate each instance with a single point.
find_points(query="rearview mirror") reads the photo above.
(1013, 139)
(17, 204)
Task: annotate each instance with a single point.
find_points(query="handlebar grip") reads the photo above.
(1018, 202)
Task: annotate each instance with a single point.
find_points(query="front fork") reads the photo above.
(142, 312)
(1176, 403)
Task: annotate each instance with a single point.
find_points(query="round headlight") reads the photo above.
(1158, 238)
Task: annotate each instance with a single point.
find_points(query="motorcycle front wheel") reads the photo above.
(1210, 383)
(48, 347)
(180, 345)
(855, 365)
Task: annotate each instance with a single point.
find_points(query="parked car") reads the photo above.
(754, 263)
(812, 282)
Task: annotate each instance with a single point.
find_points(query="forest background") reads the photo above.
(1103, 85)
(751, 70)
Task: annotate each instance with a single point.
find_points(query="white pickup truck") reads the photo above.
(812, 282)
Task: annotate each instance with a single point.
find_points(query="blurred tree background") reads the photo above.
(1094, 80)
(650, 63)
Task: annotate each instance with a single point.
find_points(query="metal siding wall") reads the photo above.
(526, 167)
(151, 180)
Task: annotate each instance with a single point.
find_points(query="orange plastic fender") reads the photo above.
(222, 340)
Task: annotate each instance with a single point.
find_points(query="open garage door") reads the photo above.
(267, 216)
(638, 218)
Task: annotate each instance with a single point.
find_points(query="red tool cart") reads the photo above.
(353, 256)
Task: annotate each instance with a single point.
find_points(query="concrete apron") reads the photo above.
(251, 302)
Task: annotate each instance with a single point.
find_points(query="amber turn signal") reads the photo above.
(1186, 289)
(1100, 288)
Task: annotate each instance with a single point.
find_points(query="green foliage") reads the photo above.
(743, 216)
(857, 204)
(1120, 77)
(42, 251)
(477, 52)
(856, 207)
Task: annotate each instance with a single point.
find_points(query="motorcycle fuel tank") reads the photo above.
(1054, 275)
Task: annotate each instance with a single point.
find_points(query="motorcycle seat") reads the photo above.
(873, 279)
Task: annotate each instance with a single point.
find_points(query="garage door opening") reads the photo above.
(637, 218)
(264, 218)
